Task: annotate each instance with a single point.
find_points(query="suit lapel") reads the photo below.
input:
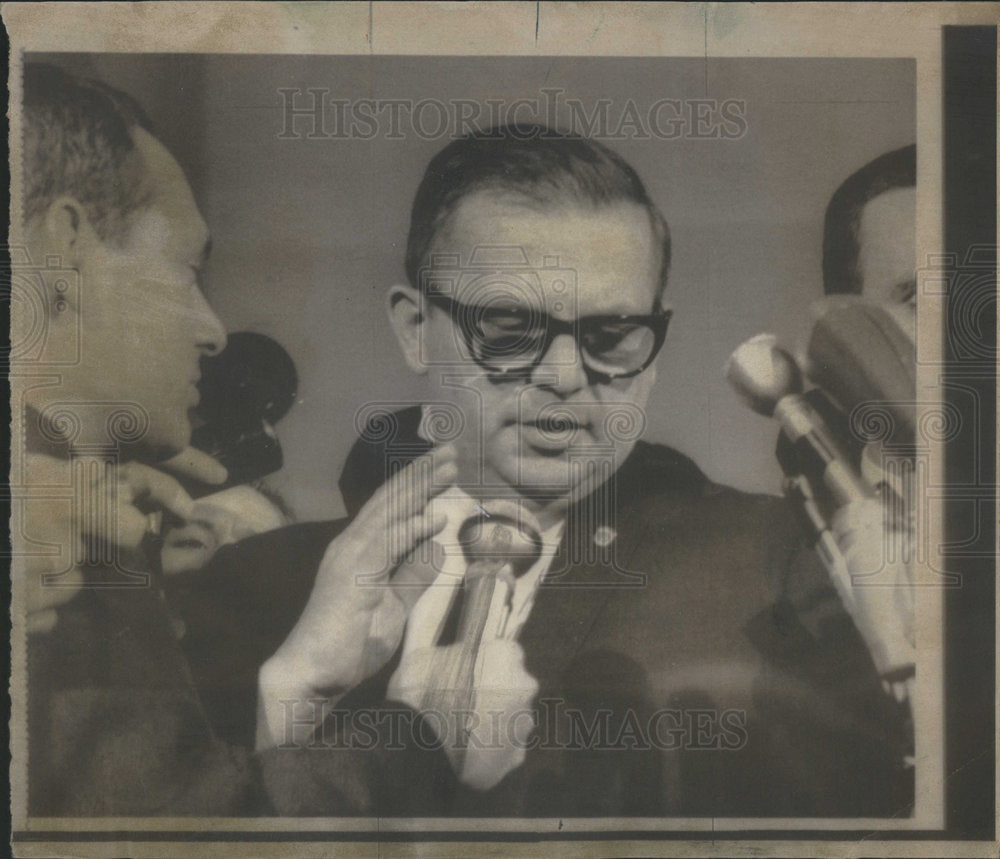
(589, 569)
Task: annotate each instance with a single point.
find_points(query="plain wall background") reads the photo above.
(309, 233)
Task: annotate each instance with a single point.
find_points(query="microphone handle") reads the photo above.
(454, 681)
(818, 451)
(480, 584)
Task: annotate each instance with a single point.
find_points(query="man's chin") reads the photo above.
(541, 474)
(163, 441)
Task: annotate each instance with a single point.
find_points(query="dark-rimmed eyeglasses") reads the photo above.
(511, 341)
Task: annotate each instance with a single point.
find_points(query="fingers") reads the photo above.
(193, 464)
(409, 682)
(398, 513)
(413, 576)
(869, 543)
(404, 537)
(501, 667)
(406, 494)
(155, 490)
(864, 519)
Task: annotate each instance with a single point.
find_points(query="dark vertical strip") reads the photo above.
(970, 133)
(6, 285)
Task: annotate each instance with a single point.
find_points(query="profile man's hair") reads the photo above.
(896, 169)
(78, 142)
(544, 166)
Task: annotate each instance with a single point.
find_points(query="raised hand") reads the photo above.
(354, 619)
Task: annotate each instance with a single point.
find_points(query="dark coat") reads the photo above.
(115, 724)
(121, 724)
(702, 665)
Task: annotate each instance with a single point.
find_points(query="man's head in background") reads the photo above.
(869, 242)
(219, 520)
(536, 265)
(103, 197)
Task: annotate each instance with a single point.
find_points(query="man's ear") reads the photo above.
(63, 232)
(66, 231)
(406, 316)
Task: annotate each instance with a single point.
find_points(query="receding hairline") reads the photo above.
(564, 200)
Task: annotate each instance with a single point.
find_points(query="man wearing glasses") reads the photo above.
(645, 658)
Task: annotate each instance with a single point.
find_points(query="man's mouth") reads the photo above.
(557, 425)
(553, 434)
(194, 394)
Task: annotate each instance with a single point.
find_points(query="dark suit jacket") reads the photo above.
(700, 666)
(118, 726)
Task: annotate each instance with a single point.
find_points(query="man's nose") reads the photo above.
(210, 334)
(561, 369)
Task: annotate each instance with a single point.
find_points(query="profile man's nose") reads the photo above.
(561, 368)
(211, 333)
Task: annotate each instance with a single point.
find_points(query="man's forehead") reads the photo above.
(607, 250)
(507, 218)
(887, 242)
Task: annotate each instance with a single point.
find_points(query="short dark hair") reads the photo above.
(78, 141)
(897, 169)
(539, 163)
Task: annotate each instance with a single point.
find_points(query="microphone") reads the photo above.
(500, 544)
(860, 353)
(770, 382)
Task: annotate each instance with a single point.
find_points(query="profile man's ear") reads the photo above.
(406, 316)
(67, 231)
(63, 232)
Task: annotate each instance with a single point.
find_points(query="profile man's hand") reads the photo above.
(354, 619)
(110, 506)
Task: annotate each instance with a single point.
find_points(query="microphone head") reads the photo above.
(761, 372)
(503, 531)
(862, 354)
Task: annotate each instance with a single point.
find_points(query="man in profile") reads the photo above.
(105, 373)
(869, 276)
(649, 659)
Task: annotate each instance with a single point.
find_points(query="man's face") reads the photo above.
(606, 263)
(887, 247)
(143, 321)
(217, 520)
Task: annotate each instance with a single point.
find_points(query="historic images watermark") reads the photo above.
(315, 113)
(551, 724)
